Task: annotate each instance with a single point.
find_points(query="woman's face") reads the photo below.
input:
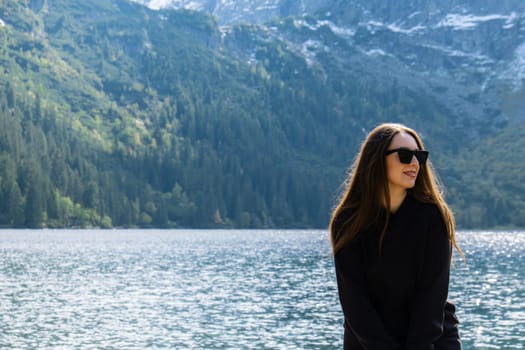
(401, 176)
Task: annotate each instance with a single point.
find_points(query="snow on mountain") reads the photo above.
(515, 69)
(341, 31)
(466, 22)
(160, 4)
(461, 48)
(239, 11)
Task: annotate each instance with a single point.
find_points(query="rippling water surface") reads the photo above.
(134, 289)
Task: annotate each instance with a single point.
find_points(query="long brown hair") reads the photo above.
(367, 188)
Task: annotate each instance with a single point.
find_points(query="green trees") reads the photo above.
(12, 202)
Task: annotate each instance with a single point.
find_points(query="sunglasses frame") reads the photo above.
(420, 155)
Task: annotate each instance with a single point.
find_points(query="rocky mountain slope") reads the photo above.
(467, 55)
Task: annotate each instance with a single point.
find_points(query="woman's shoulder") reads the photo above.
(424, 212)
(427, 213)
(425, 206)
(342, 217)
(346, 212)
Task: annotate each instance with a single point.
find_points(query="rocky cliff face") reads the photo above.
(470, 59)
(467, 55)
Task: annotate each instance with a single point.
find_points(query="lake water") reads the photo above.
(243, 289)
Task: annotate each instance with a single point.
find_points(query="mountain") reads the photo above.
(464, 58)
(115, 115)
(246, 114)
(469, 55)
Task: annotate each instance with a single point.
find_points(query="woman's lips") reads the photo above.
(411, 173)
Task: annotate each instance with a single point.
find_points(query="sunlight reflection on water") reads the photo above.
(489, 289)
(221, 290)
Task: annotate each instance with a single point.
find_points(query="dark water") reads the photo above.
(221, 290)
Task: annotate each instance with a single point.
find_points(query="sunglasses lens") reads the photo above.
(421, 156)
(405, 156)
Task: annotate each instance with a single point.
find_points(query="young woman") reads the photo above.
(392, 236)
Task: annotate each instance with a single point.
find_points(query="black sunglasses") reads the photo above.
(405, 155)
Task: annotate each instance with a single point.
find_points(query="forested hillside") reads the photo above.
(114, 115)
